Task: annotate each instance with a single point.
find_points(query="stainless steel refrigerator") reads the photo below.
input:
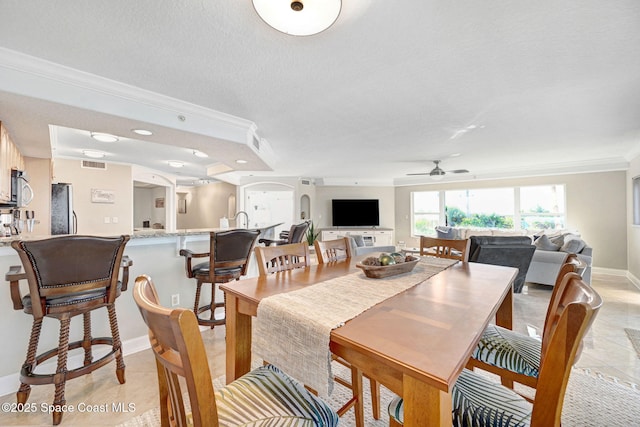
(63, 218)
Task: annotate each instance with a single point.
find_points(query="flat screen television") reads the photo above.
(355, 212)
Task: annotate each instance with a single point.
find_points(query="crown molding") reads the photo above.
(589, 166)
(37, 78)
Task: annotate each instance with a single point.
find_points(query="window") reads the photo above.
(425, 212)
(530, 208)
(542, 207)
(485, 208)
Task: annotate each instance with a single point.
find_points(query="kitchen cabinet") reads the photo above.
(10, 158)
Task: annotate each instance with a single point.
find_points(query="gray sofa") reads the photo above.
(548, 258)
(510, 251)
(551, 250)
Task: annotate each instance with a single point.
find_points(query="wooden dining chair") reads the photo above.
(272, 259)
(478, 401)
(445, 248)
(513, 356)
(332, 250)
(264, 396)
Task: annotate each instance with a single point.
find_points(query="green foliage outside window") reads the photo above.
(423, 227)
(456, 217)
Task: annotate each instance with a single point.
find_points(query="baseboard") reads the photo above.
(10, 383)
(610, 271)
(618, 272)
(633, 279)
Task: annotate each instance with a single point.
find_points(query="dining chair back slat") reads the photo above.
(445, 248)
(332, 250)
(272, 259)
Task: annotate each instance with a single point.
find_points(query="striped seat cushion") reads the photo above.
(267, 397)
(509, 350)
(478, 402)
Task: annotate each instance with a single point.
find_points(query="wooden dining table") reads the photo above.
(415, 343)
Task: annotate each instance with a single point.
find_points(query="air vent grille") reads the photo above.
(90, 164)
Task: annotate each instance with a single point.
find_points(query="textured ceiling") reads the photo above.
(515, 88)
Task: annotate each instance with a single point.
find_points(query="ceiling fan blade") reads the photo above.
(423, 173)
(459, 171)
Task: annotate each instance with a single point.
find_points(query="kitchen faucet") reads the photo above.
(246, 215)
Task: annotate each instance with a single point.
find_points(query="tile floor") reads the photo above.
(96, 397)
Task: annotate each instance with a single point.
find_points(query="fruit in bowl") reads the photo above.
(386, 259)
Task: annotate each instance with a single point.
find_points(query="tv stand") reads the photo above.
(373, 236)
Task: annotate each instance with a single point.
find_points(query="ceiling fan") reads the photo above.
(438, 173)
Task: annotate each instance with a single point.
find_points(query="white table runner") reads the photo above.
(292, 330)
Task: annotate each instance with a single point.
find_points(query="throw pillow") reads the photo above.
(557, 240)
(358, 240)
(573, 246)
(543, 243)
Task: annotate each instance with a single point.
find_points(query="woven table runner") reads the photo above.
(292, 330)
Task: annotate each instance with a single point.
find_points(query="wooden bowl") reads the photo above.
(380, 271)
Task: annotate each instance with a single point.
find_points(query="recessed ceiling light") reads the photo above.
(199, 153)
(93, 154)
(241, 162)
(142, 132)
(175, 164)
(104, 137)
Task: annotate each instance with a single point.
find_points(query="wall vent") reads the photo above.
(305, 181)
(90, 164)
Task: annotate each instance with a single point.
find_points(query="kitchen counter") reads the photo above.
(148, 233)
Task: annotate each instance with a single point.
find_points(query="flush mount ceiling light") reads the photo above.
(93, 154)
(298, 18)
(241, 162)
(104, 137)
(142, 132)
(200, 154)
(175, 164)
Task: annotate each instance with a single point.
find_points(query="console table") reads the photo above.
(371, 236)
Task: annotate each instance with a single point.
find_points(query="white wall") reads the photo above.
(91, 216)
(324, 195)
(206, 204)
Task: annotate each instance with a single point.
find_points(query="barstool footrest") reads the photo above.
(27, 376)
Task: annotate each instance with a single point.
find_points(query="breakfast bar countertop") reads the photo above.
(145, 233)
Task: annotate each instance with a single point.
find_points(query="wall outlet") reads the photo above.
(107, 220)
(175, 300)
(114, 220)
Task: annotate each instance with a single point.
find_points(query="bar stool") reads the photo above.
(295, 234)
(229, 253)
(68, 276)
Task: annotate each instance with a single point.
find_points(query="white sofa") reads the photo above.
(358, 246)
(547, 258)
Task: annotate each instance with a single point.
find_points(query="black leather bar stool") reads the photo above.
(295, 234)
(68, 276)
(229, 253)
